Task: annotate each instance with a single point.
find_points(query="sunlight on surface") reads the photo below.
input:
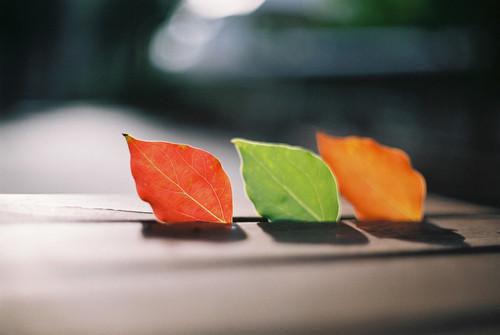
(178, 44)
(79, 148)
(223, 8)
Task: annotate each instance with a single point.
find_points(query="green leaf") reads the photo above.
(288, 183)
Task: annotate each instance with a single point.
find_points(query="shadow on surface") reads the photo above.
(313, 232)
(465, 216)
(195, 231)
(486, 215)
(424, 232)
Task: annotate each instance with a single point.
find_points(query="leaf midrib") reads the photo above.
(284, 187)
(206, 180)
(313, 184)
(179, 186)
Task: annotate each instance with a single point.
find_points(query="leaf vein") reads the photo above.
(313, 184)
(173, 182)
(206, 180)
(284, 187)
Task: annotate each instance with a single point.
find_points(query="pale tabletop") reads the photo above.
(99, 264)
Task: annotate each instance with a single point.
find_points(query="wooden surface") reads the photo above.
(98, 264)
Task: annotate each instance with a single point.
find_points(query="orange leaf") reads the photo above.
(377, 180)
(181, 183)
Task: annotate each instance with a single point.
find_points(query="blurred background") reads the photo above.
(422, 75)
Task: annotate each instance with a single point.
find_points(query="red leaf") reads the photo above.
(181, 183)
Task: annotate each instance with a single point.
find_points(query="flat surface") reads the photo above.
(98, 264)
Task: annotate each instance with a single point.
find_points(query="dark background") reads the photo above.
(419, 75)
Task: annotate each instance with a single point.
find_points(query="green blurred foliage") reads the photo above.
(424, 13)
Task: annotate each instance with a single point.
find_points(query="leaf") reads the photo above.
(181, 183)
(377, 180)
(288, 183)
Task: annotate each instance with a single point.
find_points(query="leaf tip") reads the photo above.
(237, 142)
(127, 137)
(323, 136)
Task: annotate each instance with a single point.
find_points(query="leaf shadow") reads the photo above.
(302, 232)
(193, 231)
(424, 232)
